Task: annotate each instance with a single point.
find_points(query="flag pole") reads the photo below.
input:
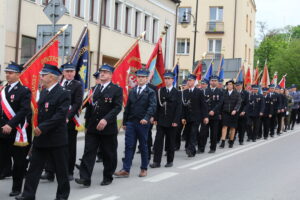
(78, 43)
(44, 47)
(129, 50)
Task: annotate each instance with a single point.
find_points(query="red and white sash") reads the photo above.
(21, 137)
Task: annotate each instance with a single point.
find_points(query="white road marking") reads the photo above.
(91, 197)
(218, 155)
(240, 151)
(111, 198)
(160, 177)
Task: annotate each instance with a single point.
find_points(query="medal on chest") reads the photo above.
(12, 97)
(46, 106)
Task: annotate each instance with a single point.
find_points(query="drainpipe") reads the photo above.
(18, 31)
(175, 37)
(234, 29)
(99, 34)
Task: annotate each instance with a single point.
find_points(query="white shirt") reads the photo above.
(12, 85)
(50, 88)
(105, 85)
(229, 92)
(213, 89)
(63, 83)
(169, 89)
(191, 89)
(142, 88)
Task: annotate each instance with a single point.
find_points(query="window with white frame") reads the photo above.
(105, 12)
(118, 16)
(94, 7)
(216, 13)
(79, 8)
(214, 46)
(138, 23)
(183, 46)
(128, 20)
(184, 15)
(147, 27)
(155, 31)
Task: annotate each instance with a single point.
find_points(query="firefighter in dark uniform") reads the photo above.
(51, 136)
(255, 112)
(102, 129)
(242, 114)
(214, 99)
(194, 112)
(180, 130)
(15, 106)
(220, 125)
(267, 114)
(276, 104)
(167, 118)
(281, 112)
(140, 108)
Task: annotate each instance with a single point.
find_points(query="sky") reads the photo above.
(278, 13)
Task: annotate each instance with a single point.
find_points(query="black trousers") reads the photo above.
(178, 136)
(211, 129)
(72, 146)
(293, 117)
(279, 122)
(59, 156)
(163, 134)
(266, 124)
(108, 145)
(253, 127)
(192, 137)
(5, 157)
(273, 123)
(241, 128)
(18, 155)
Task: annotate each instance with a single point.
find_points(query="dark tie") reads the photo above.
(66, 83)
(101, 88)
(168, 91)
(7, 88)
(139, 90)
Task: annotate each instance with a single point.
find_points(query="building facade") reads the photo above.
(224, 27)
(122, 21)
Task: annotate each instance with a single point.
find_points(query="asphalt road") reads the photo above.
(264, 170)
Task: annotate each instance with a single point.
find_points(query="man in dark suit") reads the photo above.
(255, 112)
(277, 108)
(268, 112)
(167, 118)
(282, 108)
(214, 100)
(141, 106)
(51, 137)
(242, 114)
(194, 112)
(102, 129)
(76, 91)
(14, 107)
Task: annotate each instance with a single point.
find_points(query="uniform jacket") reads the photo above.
(53, 110)
(269, 106)
(106, 105)
(214, 101)
(244, 103)
(256, 105)
(296, 99)
(231, 102)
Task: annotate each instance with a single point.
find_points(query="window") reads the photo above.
(137, 25)
(28, 48)
(79, 8)
(214, 46)
(147, 27)
(183, 46)
(247, 23)
(104, 12)
(128, 20)
(45, 2)
(67, 5)
(94, 7)
(216, 13)
(250, 28)
(117, 25)
(183, 17)
(155, 31)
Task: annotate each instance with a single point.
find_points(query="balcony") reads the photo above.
(215, 28)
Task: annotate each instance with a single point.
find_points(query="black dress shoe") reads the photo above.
(241, 143)
(106, 182)
(23, 198)
(81, 181)
(212, 151)
(14, 193)
(170, 164)
(48, 176)
(154, 165)
(200, 151)
(222, 145)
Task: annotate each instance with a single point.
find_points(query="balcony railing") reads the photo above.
(215, 27)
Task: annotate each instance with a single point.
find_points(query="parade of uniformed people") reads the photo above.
(149, 100)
